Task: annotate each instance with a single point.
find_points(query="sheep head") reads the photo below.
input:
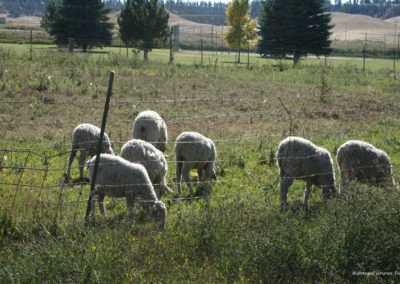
(160, 214)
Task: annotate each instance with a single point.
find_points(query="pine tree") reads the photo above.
(85, 21)
(126, 23)
(295, 27)
(144, 23)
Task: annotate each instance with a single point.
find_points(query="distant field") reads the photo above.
(351, 35)
(209, 58)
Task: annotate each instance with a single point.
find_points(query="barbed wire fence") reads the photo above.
(32, 180)
(32, 184)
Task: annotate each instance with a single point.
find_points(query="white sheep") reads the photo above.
(142, 152)
(362, 162)
(194, 151)
(117, 177)
(85, 138)
(149, 126)
(298, 158)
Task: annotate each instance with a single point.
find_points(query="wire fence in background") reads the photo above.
(203, 43)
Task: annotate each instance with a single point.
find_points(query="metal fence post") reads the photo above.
(103, 126)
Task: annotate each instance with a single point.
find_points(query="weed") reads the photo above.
(324, 89)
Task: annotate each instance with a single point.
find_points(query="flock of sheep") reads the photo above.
(359, 161)
(139, 172)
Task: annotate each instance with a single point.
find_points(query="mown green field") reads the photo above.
(215, 58)
(240, 234)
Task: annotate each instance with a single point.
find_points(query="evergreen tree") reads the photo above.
(295, 27)
(126, 24)
(85, 21)
(144, 23)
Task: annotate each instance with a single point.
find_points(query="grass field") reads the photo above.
(239, 235)
(215, 58)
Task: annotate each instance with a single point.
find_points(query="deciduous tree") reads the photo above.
(242, 31)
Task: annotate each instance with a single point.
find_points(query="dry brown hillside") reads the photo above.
(354, 27)
(346, 26)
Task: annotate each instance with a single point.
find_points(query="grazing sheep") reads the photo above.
(194, 151)
(362, 162)
(150, 127)
(142, 152)
(117, 177)
(85, 138)
(300, 159)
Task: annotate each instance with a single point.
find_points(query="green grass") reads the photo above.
(215, 59)
(239, 235)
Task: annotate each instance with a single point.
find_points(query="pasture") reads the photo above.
(239, 234)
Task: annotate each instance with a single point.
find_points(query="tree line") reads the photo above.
(214, 12)
(285, 27)
(16, 8)
(200, 12)
(142, 24)
(374, 8)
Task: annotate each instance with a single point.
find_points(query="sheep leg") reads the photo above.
(70, 159)
(344, 180)
(82, 159)
(179, 165)
(130, 203)
(186, 176)
(284, 184)
(94, 197)
(200, 174)
(328, 191)
(160, 187)
(208, 173)
(307, 193)
(100, 201)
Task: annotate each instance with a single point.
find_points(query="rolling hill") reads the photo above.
(346, 26)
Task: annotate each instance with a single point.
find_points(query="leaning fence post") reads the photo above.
(103, 126)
